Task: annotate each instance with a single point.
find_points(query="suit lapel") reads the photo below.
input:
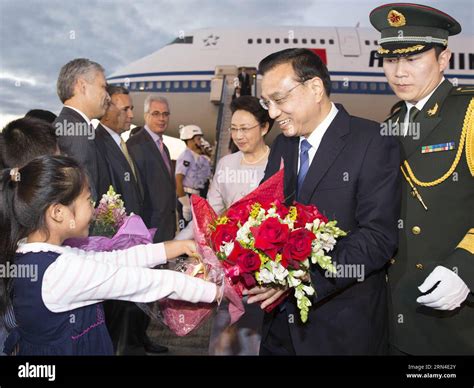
(329, 149)
(112, 148)
(153, 150)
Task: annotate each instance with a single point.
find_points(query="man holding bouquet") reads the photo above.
(344, 166)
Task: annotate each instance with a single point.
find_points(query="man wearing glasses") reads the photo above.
(344, 166)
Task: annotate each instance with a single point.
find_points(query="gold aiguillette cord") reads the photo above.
(414, 191)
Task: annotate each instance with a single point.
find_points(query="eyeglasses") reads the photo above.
(244, 130)
(157, 114)
(279, 101)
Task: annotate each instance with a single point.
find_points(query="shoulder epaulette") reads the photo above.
(463, 90)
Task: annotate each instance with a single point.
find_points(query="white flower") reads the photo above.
(227, 247)
(266, 276)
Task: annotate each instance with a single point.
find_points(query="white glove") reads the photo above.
(187, 212)
(450, 292)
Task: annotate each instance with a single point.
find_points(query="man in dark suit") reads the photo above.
(153, 163)
(344, 166)
(122, 172)
(126, 322)
(245, 83)
(431, 278)
(81, 88)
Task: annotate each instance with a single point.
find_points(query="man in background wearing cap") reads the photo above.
(193, 169)
(432, 275)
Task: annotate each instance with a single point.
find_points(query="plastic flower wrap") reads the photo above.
(112, 229)
(183, 317)
(260, 241)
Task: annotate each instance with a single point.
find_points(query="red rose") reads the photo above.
(223, 233)
(307, 214)
(248, 261)
(271, 236)
(239, 212)
(298, 246)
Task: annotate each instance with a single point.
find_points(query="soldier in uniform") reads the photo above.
(432, 276)
(193, 169)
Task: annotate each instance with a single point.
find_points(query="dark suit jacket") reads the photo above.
(119, 173)
(74, 141)
(159, 207)
(354, 179)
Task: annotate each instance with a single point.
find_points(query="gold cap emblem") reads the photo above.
(396, 19)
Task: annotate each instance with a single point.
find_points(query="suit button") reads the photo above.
(416, 230)
(419, 266)
(392, 261)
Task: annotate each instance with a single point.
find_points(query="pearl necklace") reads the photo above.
(258, 160)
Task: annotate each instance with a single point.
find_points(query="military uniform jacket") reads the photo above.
(443, 234)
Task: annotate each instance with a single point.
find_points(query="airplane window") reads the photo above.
(382, 86)
(268, 40)
(373, 86)
(259, 40)
(203, 84)
(335, 85)
(295, 40)
(375, 42)
(133, 85)
(176, 84)
(286, 40)
(354, 85)
(185, 84)
(461, 61)
(363, 85)
(367, 42)
(313, 41)
(331, 41)
(304, 41)
(194, 84)
(471, 61)
(322, 41)
(150, 85)
(250, 41)
(142, 85)
(167, 84)
(158, 85)
(277, 40)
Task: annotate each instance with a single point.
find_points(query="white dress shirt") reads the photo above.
(317, 135)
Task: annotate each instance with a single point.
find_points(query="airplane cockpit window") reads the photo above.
(186, 39)
(304, 41)
(268, 40)
(322, 41)
(331, 41)
(286, 40)
(313, 41)
(250, 41)
(277, 40)
(259, 40)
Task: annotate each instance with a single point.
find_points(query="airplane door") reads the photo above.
(348, 41)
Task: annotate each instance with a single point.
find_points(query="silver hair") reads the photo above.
(71, 71)
(154, 97)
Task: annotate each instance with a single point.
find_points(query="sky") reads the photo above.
(37, 37)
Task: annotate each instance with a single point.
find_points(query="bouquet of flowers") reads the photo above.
(260, 241)
(112, 228)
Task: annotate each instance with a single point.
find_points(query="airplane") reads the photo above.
(189, 70)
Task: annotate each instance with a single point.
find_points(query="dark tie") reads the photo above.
(412, 114)
(161, 147)
(304, 164)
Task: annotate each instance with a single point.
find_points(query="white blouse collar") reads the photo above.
(39, 247)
